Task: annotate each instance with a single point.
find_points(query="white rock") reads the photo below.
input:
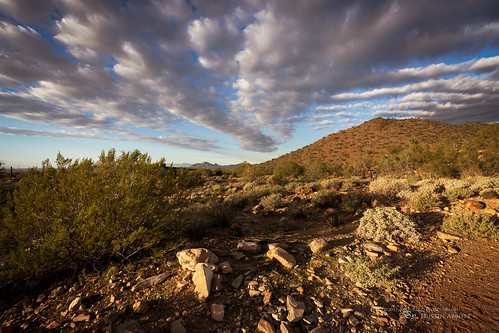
(251, 247)
(283, 256)
(75, 304)
(318, 245)
(189, 258)
(202, 279)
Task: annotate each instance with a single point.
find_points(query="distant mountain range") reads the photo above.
(209, 165)
(375, 136)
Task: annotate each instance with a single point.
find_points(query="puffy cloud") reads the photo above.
(253, 70)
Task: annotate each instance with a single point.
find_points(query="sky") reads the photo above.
(232, 81)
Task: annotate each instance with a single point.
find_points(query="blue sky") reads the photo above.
(233, 81)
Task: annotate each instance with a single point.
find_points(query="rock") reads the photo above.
(353, 321)
(405, 210)
(372, 254)
(474, 205)
(150, 282)
(237, 281)
(225, 267)
(265, 326)
(281, 245)
(220, 253)
(216, 283)
(283, 256)
(489, 194)
(140, 307)
(202, 279)
(267, 296)
(319, 329)
(238, 255)
(51, 326)
(251, 247)
(253, 293)
(56, 292)
(373, 247)
(342, 260)
(393, 247)
(296, 309)
(310, 319)
(286, 327)
(177, 327)
(189, 258)
(75, 304)
(130, 326)
(445, 236)
(453, 249)
(81, 317)
(217, 312)
(111, 318)
(318, 245)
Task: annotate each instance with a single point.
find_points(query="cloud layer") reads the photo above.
(252, 70)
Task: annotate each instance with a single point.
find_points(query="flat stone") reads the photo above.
(474, 204)
(238, 255)
(75, 304)
(265, 326)
(393, 247)
(150, 282)
(318, 245)
(281, 245)
(217, 312)
(177, 327)
(445, 236)
(202, 279)
(81, 317)
(237, 281)
(296, 309)
(251, 247)
(353, 321)
(225, 267)
(372, 254)
(130, 326)
(283, 256)
(453, 249)
(373, 247)
(189, 258)
(220, 252)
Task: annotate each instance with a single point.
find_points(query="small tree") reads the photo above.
(286, 170)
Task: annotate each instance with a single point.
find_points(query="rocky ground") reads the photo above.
(287, 276)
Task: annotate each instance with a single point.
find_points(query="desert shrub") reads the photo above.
(482, 226)
(287, 170)
(331, 184)
(425, 202)
(353, 183)
(250, 198)
(430, 187)
(199, 218)
(352, 200)
(297, 210)
(388, 188)
(271, 202)
(84, 214)
(370, 274)
(381, 224)
(291, 186)
(325, 199)
(458, 193)
(478, 184)
(318, 169)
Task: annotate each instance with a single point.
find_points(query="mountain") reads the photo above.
(209, 165)
(375, 136)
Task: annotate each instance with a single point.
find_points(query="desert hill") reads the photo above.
(375, 136)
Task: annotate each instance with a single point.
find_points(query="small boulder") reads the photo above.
(265, 326)
(238, 255)
(474, 204)
(202, 279)
(225, 267)
(373, 247)
(286, 327)
(140, 307)
(296, 309)
(283, 256)
(189, 258)
(250, 247)
(444, 236)
(75, 304)
(489, 194)
(318, 245)
(237, 281)
(217, 312)
(150, 282)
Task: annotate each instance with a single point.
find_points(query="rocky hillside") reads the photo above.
(374, 136)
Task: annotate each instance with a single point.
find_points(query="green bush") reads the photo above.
(425, 202)
(370, 274)
(297, 210)
(84, 214)
(381, 224)
(271, 202)
(286, 170)
(326, 199)
(458, 193)
(199, 218)
(352, 200)
(481, 226)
